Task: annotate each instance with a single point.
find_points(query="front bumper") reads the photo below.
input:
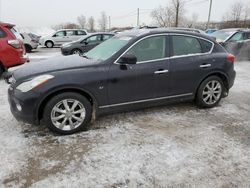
(23, 106)
(65, 51)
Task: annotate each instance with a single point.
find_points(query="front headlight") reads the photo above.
(35, 82)
(66, 45)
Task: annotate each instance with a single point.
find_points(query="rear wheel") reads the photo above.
(49, 44)
(210, 92)
(28, 48)
(1, 70)
(68, 113)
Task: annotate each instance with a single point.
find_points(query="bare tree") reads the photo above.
(81, 21)
(178, 6)
(163, 16)
(237, 15)
(91, 24)
(103, 21)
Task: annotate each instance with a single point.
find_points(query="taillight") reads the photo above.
(231, 57)
(14, 43)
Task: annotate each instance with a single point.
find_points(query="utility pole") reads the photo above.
(177, 13)
(0, 10)
(138, 17)
(209, 14)
(109, 23)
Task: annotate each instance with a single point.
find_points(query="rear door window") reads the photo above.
(81, 32)
(185, 45)
(70, 33)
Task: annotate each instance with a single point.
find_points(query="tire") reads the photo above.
(1, 70)
(76, 51)
(208, 98)
(49, 44)
(28, 48)
(63, 121)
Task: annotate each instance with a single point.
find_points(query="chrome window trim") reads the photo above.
(145, 100)
(167, 58)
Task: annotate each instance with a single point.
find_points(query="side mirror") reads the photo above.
(127, 59)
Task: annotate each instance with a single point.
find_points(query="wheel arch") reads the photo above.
(221, 75)
(46, 99)
(49, 40)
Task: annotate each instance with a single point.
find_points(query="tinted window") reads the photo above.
(247, 36)
(184, 45)
(206, 46)
(2, 33)
(236, 37)
(106, 37)
(149, 49)
(60, 34)
(80, 32)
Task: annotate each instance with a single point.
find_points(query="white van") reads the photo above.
(62, 36)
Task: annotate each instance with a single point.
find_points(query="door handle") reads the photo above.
(161, 71)
(205, 65)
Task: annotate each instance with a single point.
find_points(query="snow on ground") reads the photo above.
(178, 145)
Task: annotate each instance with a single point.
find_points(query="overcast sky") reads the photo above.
(122, 12)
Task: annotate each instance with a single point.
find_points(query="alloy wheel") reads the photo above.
(212, 92)
(68, 114)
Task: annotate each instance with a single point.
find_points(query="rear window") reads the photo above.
(15, 32)
(185, 45)
(2, 33)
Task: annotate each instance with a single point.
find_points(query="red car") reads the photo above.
(12, 51)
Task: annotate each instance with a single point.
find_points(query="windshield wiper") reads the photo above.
(85, 56)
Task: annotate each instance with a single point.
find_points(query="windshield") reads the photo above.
(222, 35)
(108, 48)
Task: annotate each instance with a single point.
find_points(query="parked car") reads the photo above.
(85, 44)
(210, 31)
(34, 37)
(236, 41)
(12, 51)
(62, 36)
(29, 43)
(132, 70)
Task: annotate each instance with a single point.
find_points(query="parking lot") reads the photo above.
(178, 145)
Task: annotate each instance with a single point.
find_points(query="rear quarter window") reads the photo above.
(81, 32)
(206, 46)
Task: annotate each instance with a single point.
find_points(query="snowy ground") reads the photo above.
(172, 146)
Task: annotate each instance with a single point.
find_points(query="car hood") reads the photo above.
(53, 65)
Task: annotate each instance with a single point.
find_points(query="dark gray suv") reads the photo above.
(132, 70)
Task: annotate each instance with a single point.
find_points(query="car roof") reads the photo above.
(7, 24)
(236, 29)
(144, 32)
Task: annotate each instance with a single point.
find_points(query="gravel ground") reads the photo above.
(173, 146)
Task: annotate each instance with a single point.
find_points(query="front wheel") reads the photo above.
(210, 92)
(49, 44)
(76, 51)
(68, 113)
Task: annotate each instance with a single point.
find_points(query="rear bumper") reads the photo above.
(231, 79)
